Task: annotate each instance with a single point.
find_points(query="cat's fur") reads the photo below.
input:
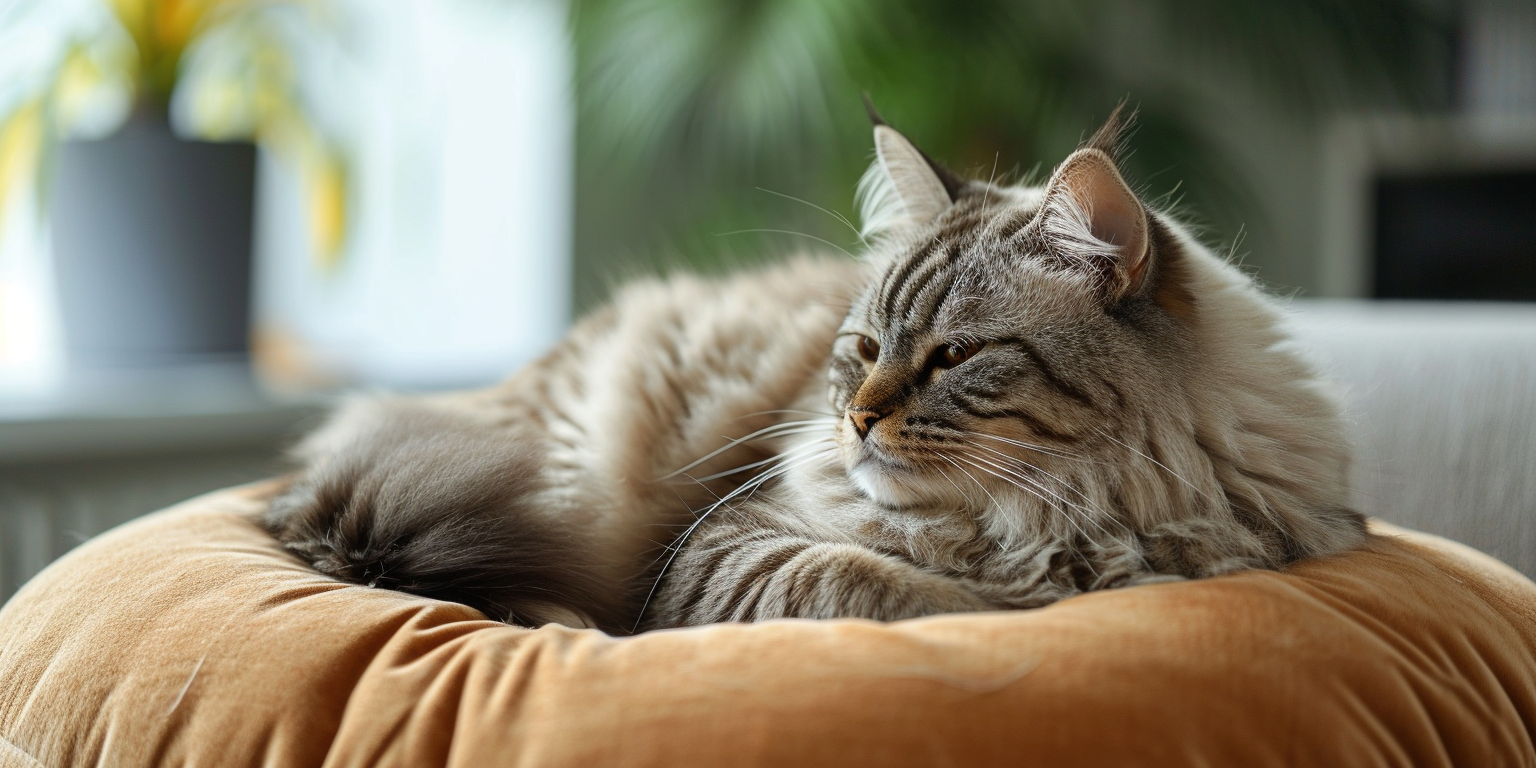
(1069, 393)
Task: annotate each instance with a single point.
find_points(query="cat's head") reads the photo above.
(1003, 323)
(1065, 348)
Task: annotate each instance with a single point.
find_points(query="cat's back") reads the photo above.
(721, 328)
(543, 498)
(666, 374)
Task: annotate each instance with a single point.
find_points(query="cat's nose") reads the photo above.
(863, 419)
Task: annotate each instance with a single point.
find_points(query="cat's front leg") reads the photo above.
(826, 581)
(757, 576)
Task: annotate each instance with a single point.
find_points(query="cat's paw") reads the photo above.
(848, 581)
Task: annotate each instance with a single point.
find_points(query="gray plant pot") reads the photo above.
(152, 247)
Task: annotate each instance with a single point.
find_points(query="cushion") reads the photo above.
(190, 637)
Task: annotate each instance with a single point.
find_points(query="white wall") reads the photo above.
(458, 265)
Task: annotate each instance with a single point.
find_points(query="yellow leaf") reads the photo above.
(327, 211)
(78, 78)
(176, 21)
(132, 14)
(21, 147)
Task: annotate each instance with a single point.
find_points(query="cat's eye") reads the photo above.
(954, 353)
(869, 349)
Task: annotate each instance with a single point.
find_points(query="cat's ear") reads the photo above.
(1091, 217)
(903, 188)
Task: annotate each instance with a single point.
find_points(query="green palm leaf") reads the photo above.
(688, 106)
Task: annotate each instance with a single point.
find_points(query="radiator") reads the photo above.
(47, 509)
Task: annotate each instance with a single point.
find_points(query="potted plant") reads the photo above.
(136, 137)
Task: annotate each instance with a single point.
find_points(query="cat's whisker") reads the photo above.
(789, 232)
(788, 463)
(971, 460)
(823, 431)
(1024, 465)
(1090, 512)
(748, 487)
(841, 218)
(992, 224)
(755, 464)
(1068, 517)
(1164, 467)
(791, 459)
(793, 464)
(1035, 489)
(966, 496)
(831, 417)
(765, 431)
(978, 483)
(1031, 447)
(1013, 471)
(1095, 520)
(991, 177)
(983, 487)
(788, 433)
(737, 470)
(795, 431)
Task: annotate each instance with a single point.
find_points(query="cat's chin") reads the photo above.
(896, 488)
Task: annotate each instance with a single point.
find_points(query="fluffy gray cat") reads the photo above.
(1018, 394)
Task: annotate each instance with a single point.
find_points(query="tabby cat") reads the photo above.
(1020, 393)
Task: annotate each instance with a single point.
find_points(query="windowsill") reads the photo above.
(172, 409)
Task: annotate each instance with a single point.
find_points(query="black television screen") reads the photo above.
(1462, 235)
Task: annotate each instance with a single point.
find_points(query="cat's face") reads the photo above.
(992, 343)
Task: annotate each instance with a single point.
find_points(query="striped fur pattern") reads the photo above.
(1028, 393)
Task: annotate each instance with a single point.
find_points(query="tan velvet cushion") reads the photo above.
(190, 638)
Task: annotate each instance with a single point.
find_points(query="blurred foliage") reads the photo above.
(220, 70)
(21, 137)
(162, 30)
(689, 108)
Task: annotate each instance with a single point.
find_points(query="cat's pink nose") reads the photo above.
(863, 419)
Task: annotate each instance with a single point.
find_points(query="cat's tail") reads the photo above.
(408, 495)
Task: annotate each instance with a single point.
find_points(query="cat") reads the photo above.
(1018, 394)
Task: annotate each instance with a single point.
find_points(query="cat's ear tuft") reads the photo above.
(1093, 220)
(903, 188)
(869, 109)
(1110, 137)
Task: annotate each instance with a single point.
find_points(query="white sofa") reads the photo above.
(1442, 403)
